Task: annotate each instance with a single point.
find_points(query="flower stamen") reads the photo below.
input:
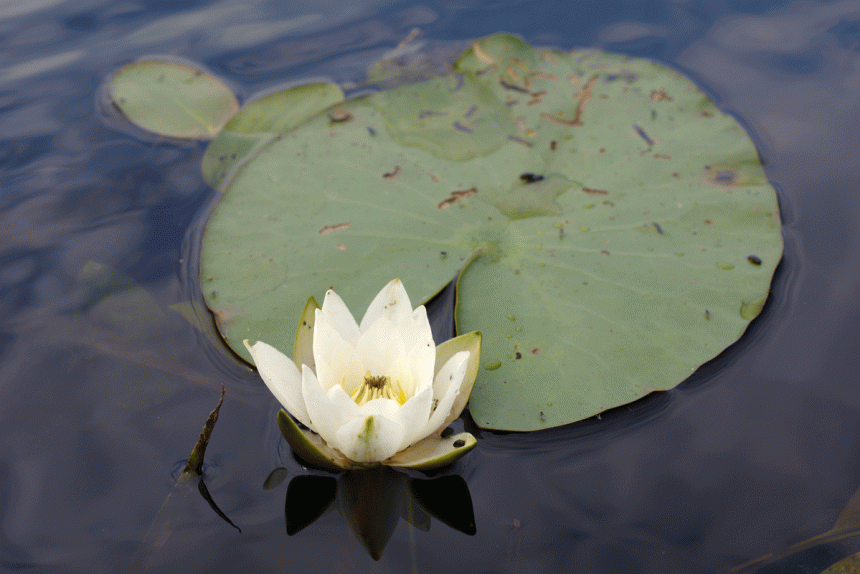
(378, 387)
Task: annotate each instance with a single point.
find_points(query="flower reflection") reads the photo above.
(372, 501)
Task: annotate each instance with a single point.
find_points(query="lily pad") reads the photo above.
(616, 228)
(172, 99)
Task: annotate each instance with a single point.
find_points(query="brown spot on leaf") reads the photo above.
(329, 228)
(520, 140)
(584, 96)
(392, 174)
(536, 98)
(456, 196)
(560, 121)
(339, 115)
(592, 191)
(482, 54)
(340, 247)
(462, 127)
(522, 66)
(513, 87)
(488, 70)
(660, 94)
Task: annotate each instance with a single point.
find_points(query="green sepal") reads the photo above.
(433, 452)
(310, 447)
(303, 349)
(470, 342)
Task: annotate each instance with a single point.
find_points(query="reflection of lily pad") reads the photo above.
(172, 99)
(616, 213)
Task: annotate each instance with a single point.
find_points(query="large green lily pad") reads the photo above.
(616, 228)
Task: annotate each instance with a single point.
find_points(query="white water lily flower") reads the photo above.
(378, 392)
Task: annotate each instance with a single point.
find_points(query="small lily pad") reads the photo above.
(172, 99)
(605, 212)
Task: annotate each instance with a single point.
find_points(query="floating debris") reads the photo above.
(531, 177)
(462, 128)
(643, 135)
(430, 114)
(520, 141)
(512, 87)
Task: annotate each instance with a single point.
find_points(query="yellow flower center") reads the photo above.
(378, 387)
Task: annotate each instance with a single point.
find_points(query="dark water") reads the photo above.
(102, 397)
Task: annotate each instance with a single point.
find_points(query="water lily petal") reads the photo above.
(325, 419)
(448, 374)
(391, 302)
(470, 342)
(337, 361)
(422, 359)
(415, 329)
(434, 452)
(282, 377)
(369, 439)
(335, 312)
(379, 346)
(413, 417)
(344, 405)
(449, 379)
(383, 407)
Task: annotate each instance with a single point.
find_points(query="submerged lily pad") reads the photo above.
(172, 99)
(616, 228)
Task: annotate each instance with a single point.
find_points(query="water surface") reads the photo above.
(102, 398)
